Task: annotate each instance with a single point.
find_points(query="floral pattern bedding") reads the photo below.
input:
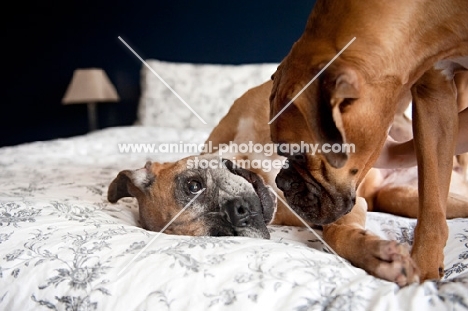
(62, 245)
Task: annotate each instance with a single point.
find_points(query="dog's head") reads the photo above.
(232, 201)
(341, 114)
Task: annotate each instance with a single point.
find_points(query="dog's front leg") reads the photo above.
(435, 124)
(385, 259)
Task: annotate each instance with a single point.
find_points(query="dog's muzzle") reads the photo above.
(241, 216)
(308, 198)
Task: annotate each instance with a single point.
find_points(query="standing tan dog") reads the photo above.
(401, 47)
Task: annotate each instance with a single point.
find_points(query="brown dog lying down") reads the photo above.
(239, 202)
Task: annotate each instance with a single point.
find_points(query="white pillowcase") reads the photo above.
(209, 89)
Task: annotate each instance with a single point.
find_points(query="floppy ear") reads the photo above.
(346, 85)
(131, 183)
(336, 91)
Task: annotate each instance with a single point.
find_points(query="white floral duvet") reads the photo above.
(62, 245)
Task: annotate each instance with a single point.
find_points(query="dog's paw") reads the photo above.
(395, 263)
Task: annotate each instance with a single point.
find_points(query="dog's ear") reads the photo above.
(336, 90)
(342, 95)
(131, 183)
(346, 85)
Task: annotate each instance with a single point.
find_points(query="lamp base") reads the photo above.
(92, 117)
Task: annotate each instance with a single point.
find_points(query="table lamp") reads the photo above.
(90, 86)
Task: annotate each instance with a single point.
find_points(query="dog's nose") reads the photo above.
(298, 158)
(238, 212)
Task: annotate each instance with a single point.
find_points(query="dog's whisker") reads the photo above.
(215, 213)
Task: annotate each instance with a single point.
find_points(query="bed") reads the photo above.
(62, 244)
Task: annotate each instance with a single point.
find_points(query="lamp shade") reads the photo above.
(90, 85)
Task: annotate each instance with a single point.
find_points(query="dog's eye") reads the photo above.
(194, 186)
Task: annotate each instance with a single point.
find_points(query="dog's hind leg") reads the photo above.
(461, 81)
(403, 201)
(385, 259)
(462, 160)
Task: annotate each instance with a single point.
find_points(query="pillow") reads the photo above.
(209, 89)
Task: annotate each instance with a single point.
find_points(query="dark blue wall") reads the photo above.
(45, 42)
